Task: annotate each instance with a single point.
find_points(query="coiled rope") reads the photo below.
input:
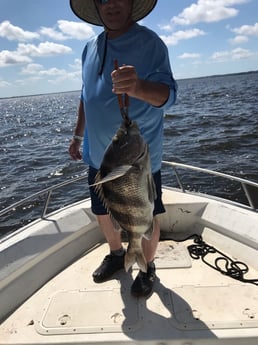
(222, 263)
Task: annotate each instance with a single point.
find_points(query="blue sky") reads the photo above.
(41, 41)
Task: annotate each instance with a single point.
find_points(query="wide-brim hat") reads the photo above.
(87, 11)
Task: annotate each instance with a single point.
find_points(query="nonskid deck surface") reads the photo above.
(189, 300)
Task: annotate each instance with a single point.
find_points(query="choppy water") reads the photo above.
(214, 125)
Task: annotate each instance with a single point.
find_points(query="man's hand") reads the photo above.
(74, 150)
(125, 80)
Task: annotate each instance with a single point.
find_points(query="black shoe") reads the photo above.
(111, 264)
(143, 283)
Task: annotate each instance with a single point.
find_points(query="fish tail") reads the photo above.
(133, 256)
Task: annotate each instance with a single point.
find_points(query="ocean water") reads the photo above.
(213, 125)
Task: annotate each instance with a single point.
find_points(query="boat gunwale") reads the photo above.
(48, 191)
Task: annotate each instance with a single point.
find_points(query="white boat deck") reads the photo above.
(190, 300)
(191, 304)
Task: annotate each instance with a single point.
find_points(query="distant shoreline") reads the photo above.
(203, 77)
(220, 75)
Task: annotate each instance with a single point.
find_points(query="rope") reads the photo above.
(223, 263)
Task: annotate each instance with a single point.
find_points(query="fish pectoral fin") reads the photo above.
(113, 175)
(135, 256)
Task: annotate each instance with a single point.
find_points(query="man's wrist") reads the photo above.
(77, 137)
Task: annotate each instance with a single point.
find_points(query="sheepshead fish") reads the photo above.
(125, 184)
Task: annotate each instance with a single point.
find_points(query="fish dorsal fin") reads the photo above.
(113, 175)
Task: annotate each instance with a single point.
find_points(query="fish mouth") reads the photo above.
(122, 132)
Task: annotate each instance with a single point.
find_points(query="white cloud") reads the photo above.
(53, 34)
(31, 68)
(28, 81)
(53, 72)
(207, 11)
(77, 65)
(37, 71)
(189, 56)
(180, 35)
(247, 30)
(235, 54)
(76, 30)
(239, 39)
(4, 83)
(15, 33)
(25, 52)
(8, 58)
(243, 33)
(68, 30)
(43, 49)
(165, 27)
(63, 30)
(67, 76)
(240, 53)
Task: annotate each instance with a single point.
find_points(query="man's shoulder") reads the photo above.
(92, 42)
(95, 39)
(150, 37)
(144, 30)
(148, 34)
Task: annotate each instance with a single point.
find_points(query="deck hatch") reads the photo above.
(215, 307)
(172, 254)
(89, 311)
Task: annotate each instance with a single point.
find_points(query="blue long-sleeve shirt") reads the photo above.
(138, 47)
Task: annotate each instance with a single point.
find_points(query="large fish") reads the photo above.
(125, 184)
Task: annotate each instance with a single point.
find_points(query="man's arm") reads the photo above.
(74, 148)
(80, 125)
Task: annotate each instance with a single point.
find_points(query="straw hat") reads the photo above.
(86, 10)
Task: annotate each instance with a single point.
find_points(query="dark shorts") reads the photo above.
(97, 206)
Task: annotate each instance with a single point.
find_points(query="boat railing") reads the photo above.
(244, 183)
(48, 191)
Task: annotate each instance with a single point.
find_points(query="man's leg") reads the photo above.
(115, 260)
(112, 236)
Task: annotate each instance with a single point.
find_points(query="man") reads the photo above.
(145, 76)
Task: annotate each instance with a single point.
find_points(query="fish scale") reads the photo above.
(127, 210)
